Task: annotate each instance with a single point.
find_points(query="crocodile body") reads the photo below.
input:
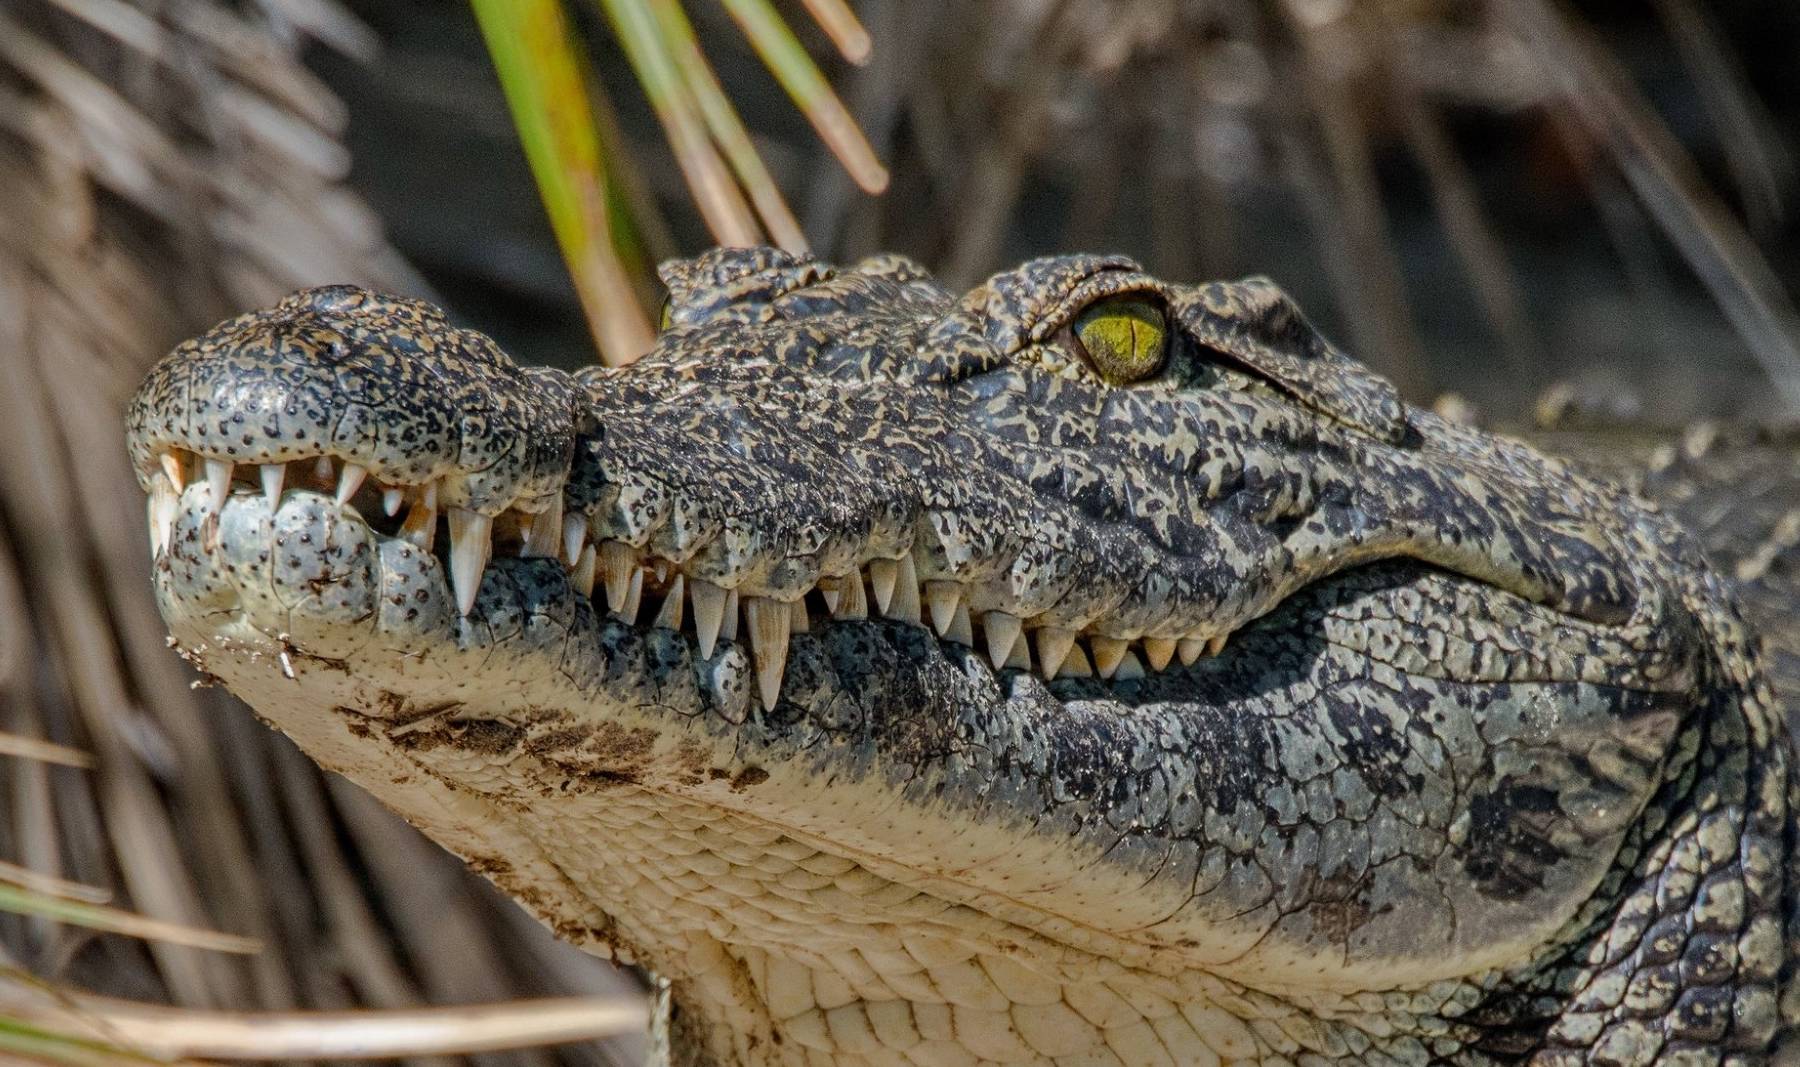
(1082, 670)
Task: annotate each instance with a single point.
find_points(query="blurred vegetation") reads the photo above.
(1466, 192)
(1479, 196)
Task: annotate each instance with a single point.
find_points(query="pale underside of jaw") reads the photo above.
(635, 584)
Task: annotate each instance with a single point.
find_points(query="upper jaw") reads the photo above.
(779, 492)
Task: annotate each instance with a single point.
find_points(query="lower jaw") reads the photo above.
(641, 589)
(325, 578)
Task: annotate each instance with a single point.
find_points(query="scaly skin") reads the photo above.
(1384, 741)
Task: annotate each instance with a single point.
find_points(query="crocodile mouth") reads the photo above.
(197, 504)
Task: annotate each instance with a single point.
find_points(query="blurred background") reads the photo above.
(1526, 211)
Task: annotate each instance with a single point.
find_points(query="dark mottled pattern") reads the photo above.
(1488, 742)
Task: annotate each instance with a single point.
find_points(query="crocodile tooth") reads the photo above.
(1076, 666)
(1108, 653)
(634, 597)
(883, 574)
(1159, 651)
(961, 630)
(1002, 634)
(943, 598)
(1191, 649)
(273, 475)
(420, 525)
(1216, 645)
(574, 535)
(669, 617)
(769, 621)
(582, 577)
(171, 465)
(431, 495)
(1019, 659)
(324, 471)
(618, 562)
(830, 588)
(1053, 646)
(391, 499)
(709, 614)
(852, 601)
(218, 483)
(1129, 668)
(164, 503)
(799, 621)
(543, 532)
(471, 540)
(904, 604)
(728, 629)
(350, 481)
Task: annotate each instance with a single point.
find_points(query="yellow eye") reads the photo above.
(667, 314)
(1124, 338)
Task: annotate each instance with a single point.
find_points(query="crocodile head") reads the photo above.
(1086, 669)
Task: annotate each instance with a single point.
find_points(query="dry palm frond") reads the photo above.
(167, 165)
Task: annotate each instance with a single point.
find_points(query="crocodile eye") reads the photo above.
(1124, 338)
(667, 315)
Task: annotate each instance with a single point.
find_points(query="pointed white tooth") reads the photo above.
(852, 601)
(1002, 634)
(543, 532)
(171, 465)
(961, 630)
(883, 573)
(1108, 652)
(1191, 649)
(709, 614)
(164, 503)
(669, 617)
(830, 589)
(324, 471)
(1216, 645)
(1159, 651)
(1053, 645)
(1129, 668)
(391, 499)
(582, 577)
(634, 597)
(471, 541)
(728, 629)
(769, 621)
(574, 535)
(943, 598)
(618, 562)
(904, 604)
(420, 525)
(1019, 659)
(350, 481)
(151, 514)
(1076, 665)
(799, 620)
(430, 495)
(218, 483)
(272, 475)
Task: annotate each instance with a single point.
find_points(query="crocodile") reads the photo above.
(1085, 669)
